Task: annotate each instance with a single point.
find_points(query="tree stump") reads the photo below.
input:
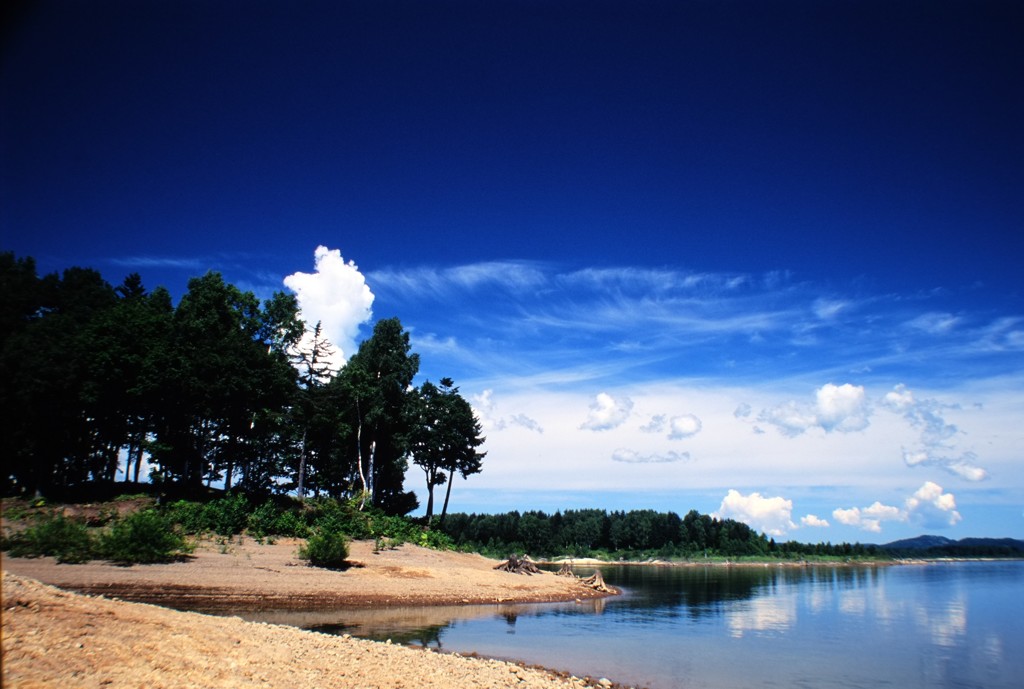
(596, 582)
(566, 570)
(517, 565)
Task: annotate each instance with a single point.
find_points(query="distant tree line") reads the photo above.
(634, 534)
(218, 389)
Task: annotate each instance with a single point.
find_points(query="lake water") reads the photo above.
(936, 625)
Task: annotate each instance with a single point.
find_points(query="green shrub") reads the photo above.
(436, 540)
(291, 523)
(325, 548)
(229, 515)
(143, 537)
(53, 535)
(127, 497)
(262, 521)
(191, 516)
(397, 530)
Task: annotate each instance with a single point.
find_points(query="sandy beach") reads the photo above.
(78, 635)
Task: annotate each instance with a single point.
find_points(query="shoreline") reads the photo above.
(75, 632)
(99, 624)
(593, 562)
(52, 637)
(249, 575)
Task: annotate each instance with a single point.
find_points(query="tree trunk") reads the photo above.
(358, 455)
(138, 461)
(430, 494)
(302, 466)
(230, 469)
(129, 451)
(447, 495)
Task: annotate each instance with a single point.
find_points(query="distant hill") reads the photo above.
(919, 542)
(940, 546)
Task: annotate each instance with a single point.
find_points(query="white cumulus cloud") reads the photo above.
(684, 426)
(932, 507)
(606, 412)
(842, 408)
(814, 521)
(929, 506)
(773, 516)
(869, 518)
(337, 297)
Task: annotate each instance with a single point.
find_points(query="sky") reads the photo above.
(758, 259)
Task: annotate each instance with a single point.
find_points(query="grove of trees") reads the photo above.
(216, 390)
(633, 535)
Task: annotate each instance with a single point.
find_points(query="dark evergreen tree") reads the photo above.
(376, 382)
(444, 436)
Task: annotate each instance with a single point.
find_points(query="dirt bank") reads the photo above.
(254, 576)
(54, 638)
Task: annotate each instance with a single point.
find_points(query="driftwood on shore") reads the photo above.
(594, 581)
(524, 565)
(517, 565)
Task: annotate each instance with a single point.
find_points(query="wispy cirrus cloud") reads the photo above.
(633, 321)
(491, 420)
(193, 263)
(426, 282)
(633, 457)
(937, 444)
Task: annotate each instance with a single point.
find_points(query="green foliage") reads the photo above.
(190, 516)
(143, 537)
(262, 521)
(435, 540)
(634, 535)
(99, 380)
(443, 436)
(55, 535)
(325, 548)
(227, 516)
(291, 523)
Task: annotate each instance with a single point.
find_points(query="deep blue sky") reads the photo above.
(748, 200)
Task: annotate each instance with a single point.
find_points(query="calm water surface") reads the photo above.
(936, 625)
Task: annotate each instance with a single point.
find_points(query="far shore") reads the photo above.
(719, 562)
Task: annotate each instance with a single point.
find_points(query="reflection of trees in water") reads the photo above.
(649, 593)
(691, 591)
(423, 636)
(337, 629)
(698, 592)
